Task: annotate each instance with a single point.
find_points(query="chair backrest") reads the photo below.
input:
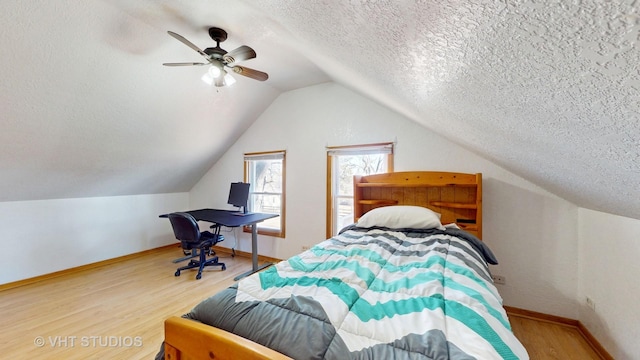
(185, 227)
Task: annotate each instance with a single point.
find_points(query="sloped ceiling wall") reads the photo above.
(549, 90)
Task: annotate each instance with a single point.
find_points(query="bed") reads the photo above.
(397, 284)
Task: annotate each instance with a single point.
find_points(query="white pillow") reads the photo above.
(401, 217)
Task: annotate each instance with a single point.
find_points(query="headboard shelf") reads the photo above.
(467, 227)
(378, 202)
(456, 196)
(454, 205)
(364, 185)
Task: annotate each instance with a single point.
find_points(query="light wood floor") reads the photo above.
(546, 340)
(117, 312)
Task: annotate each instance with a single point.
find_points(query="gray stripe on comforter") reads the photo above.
(299, 328)
(428, 242)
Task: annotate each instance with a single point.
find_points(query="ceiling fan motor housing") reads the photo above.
(218, 35)
(215, 53)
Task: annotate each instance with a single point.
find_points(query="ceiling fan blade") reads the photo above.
(240, 54)
(184, 64)
(251, 73)
(188, 43)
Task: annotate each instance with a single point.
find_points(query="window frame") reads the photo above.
(248, 157)
(333, 152)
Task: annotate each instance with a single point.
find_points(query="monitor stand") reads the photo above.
(241, 212)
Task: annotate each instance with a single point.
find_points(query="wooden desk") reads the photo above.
(235, 219)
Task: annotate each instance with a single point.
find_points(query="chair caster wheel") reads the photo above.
(198, 276)
(224, 267)
(177, 273)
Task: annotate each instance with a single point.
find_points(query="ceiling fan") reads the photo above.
(219, 59)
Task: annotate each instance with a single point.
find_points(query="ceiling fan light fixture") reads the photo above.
(229, 80)
(207, 78)
(214, 71)
(216, 76)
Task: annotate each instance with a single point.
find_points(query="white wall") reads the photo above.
(609, 250)
(532, 232)
(45, 236)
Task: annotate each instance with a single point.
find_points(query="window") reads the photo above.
(265, 172)
(343, 162)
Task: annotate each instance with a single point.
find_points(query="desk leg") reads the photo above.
(254, 255)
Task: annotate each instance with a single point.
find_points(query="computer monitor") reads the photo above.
(239, 195)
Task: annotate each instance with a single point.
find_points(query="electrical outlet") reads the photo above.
(499, 279)
(591, 304)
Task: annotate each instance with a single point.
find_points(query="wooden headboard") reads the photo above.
(456, 196)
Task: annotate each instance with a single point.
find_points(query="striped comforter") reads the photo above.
(373, 294)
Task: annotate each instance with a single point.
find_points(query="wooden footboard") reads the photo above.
(191, 340)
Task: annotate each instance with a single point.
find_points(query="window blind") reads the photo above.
(277, 155)
(385, 148)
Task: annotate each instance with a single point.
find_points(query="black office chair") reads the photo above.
(185, 228)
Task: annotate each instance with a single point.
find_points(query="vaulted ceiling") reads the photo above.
(548, 90)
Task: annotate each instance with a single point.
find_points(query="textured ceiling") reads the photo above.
(549, 90)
